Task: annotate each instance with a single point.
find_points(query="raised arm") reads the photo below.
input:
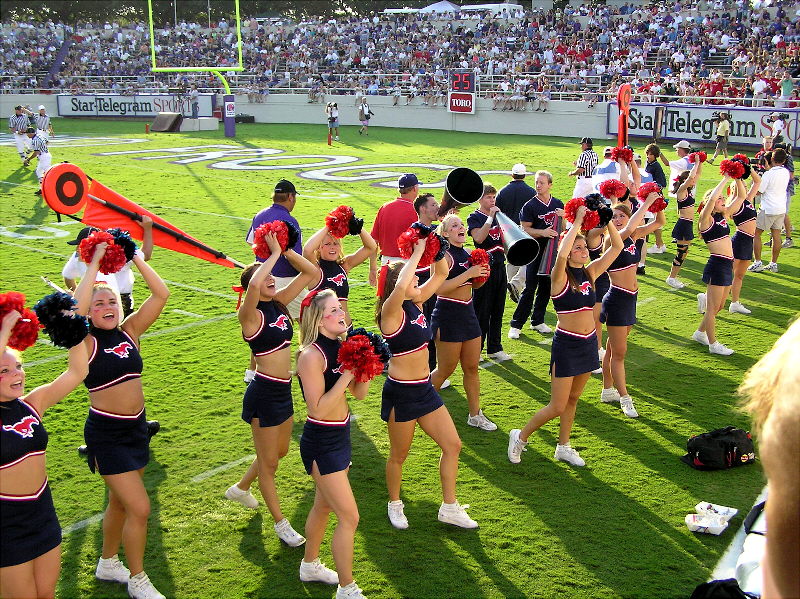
(308, 272)
(367, 251)
(638, 216)
(706, 216)
(314, 243)
(431, 286)
(141, 320)
(50, 394)
(248, 312)
(735, 202)
(694, 175)
(393, 304)
(147, 237)
(559, 272)
(601, 264)
(83, 293)
(754, 187)
(637, 177)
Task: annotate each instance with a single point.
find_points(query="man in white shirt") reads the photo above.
(676, 167)
(772, 211)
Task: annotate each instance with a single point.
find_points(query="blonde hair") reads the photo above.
(339, 257)
(106, 287)
(444, 224)
(312, 317)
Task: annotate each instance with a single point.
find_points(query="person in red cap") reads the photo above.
(395, 217)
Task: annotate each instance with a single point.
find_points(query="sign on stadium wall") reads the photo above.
(695, 123)
(132, 106)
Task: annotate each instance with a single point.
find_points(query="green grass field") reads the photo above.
(612, 529)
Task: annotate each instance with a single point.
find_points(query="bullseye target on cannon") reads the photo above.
(65, 188)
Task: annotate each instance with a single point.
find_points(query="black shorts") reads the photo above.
(268, 399)
(718, 271)
(327, 444)
(683, 230)
(619, 307)
(601, 286)
(742, 246)
(455, 320)
(409, 399)
(29, 528)
(116, 443)
(573, 354)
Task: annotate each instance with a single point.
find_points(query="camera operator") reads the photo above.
(762, 163)
(722, 119)
(778, 124)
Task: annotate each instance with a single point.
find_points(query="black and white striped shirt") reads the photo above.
(587, 161)
(40, 144)
(42, 122)
(18, 122)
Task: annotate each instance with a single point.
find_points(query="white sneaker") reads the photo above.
(542, 328)
(756, 266)
(771, 267)
(598, 370)
(499, 356)
(396, 515)
(657, 249)
(565, 453)
(513, 333)
(456, 514)
(336, 138)
(675, 283)
(515, 446)
(249, 375)
(112, 570)
(702, 302)
(610, 395)
(351, 591)
(737, 307)
(288, 535)
(482, 422)
(601, 353)
(626, 403)
(445, 384)
(718, 348)
(140, 587)
(316, 571)
(234, 493)
(701, 337)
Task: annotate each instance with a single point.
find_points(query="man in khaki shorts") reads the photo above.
(770, 216)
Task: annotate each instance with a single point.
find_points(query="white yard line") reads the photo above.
(645, 301)
(214, 471)
(25, 247)
(82, 524)
(185, 313)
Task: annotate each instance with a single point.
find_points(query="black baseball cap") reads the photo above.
(83, 234)
(284, 186)
(30, 130)
(18, 107)
(586, 140)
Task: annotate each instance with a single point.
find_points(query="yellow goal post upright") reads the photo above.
(228, 99)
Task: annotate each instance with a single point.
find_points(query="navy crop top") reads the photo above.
(274, 333)
(595, 253)
(628, 257)
(412, 335)
(114, 360)
(687, 202)
(333, 277)
(493, 242)
(22, 433)
(745, 214)
(719, 229)
(423, 274)
(460, 265)
(329, 349)
(569, 301)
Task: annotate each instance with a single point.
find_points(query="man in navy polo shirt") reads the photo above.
(510, 199)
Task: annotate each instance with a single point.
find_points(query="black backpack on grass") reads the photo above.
(720, 449)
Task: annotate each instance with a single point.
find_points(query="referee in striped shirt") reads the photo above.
(43, 127)
(18, 124)
(40, 151)
(584, 168)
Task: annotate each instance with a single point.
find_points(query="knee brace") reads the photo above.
(680, 255)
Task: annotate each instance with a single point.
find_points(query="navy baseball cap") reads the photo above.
(408, 180)
(284, 186)
(84, 233)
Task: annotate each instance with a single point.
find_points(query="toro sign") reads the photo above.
(461, 102)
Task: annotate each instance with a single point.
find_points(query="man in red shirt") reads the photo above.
(395, 217)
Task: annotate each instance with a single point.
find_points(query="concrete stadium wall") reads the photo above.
(562, 119)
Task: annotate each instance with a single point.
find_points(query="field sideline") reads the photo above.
(612, 529)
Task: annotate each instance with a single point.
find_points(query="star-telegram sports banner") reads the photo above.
(695, 123)
(138, 105)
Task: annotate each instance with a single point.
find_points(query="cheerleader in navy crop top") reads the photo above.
(683, 231)
(719, 229)
(742, 244)
(274, 333)
(413, 334)
(114, 359)
(333, 276)
(628, 257)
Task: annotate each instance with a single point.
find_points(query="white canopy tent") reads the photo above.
(441, 7)
(495, 7)
(399, 11)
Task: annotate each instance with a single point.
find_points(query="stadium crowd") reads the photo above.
(720, 52)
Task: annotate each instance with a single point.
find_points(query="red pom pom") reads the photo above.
(625, 154)
(732, 168)
(408, 239)
(338, 221)
(114, 258)
(260, 247)
(646, 189)
(742, 157)
(357, 355)
(697, 155)
(572, 207)
(612, 188)
(11, 300)
(479, 257)
(659, 205)
(590, 220)
(24, 334)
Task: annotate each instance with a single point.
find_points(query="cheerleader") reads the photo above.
(742, 241)
(573, 354)
(601, 284)
(30, 535)
(618, 311)
(325, 442)
(325, 251)
(683, 232)
(408, 395)
(718, 273)
(454, 323)
(116, 428)
(267, 406)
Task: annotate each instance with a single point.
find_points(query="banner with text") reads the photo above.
(697, 123)
(132, 106)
